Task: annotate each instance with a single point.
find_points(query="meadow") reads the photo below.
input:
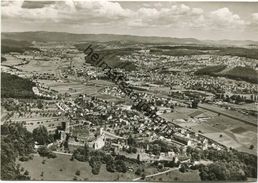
(62, 168)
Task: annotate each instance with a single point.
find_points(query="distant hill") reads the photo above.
(44, 36)
(14, 43)
(9, 45)
(234, 42)
(206, 49)
(238, 73)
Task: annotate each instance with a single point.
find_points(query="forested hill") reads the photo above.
(16, 87)
(9, 45)
(239, 73)
(42, 36)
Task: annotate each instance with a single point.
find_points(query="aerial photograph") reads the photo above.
(135, 91)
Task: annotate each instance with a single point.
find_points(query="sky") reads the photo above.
(201, 20)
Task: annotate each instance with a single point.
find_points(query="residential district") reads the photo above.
(75, 111)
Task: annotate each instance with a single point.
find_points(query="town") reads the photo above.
(74, 110)
(129, 91)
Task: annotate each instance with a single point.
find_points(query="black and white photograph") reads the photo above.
(129, 91)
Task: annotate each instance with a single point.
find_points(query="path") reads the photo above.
(156, 174)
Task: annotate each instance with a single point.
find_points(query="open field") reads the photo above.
(76, 87)
(233, 114)
(179, 113)
(235, 134)
(11, 60)
(51, 170)
(40, 66)
(31, 123)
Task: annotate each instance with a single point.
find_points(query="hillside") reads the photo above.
(3, 59)
(205, 49)
(8, 45)
(16, 87)
(211, 70)
(238, 73)
(244, 73)
(42, 36)
(111, 57)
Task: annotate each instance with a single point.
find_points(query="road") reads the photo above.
(57, 152)
(156, 174)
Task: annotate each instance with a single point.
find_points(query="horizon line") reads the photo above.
(134, 35)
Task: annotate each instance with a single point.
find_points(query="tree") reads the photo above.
(138, 158)
(40, 135)
(222, 171)
(195, 104)
(45, 152)
(183, 168)
(78, 173)
(95, 164)
(39, 104)
(86, 151)
(138, 171)
(107, 158)
(26, 172)
(155, 149)
(131, 141)
(15, 141)
(120, 166)
(143, 176)
(110, 167)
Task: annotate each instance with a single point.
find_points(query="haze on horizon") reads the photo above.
(200, 20)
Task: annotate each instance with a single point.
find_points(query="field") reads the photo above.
(179, 113)
(61, 168)
(11, 60)
(234, 133)
(176, 175)
(31, 123)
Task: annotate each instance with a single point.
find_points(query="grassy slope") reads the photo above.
(52, 171)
